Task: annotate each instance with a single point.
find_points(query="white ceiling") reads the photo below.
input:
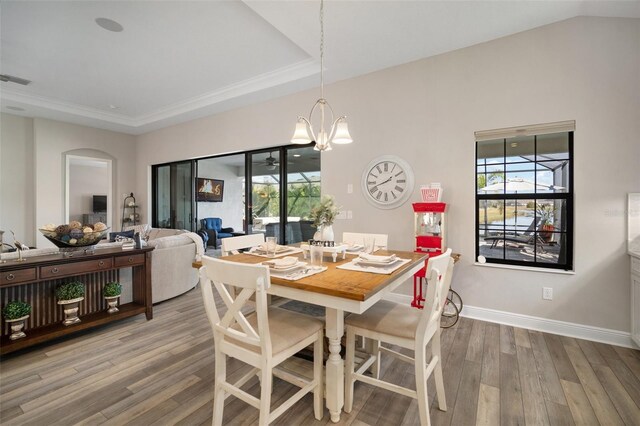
(179, 60)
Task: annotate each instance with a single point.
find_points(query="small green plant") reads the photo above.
(16, 309)
(112, 289)
(68, 291)
(324, 213)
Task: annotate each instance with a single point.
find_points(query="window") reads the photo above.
(524, 196)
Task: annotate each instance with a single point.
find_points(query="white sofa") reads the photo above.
(171, 270)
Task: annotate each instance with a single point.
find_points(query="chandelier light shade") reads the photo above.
(339, 131)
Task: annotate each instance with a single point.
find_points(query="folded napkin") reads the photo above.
(374, 258)
(283, 262)
(263, 248)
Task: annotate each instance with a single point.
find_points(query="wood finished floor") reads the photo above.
(161, 373)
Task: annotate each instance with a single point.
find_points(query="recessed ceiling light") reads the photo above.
(14, 108)
(109, 24)
(296, 155)
(114, 107)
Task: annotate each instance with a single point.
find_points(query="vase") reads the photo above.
(71, 310)
(16, 327)
(327, 233)
(112, 301)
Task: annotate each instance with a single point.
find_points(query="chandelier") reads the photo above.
(339, 132)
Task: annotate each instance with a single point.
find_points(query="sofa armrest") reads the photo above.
(226, 230)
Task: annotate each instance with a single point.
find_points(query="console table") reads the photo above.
(34, 281)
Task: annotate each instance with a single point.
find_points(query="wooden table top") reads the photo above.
(352, 285)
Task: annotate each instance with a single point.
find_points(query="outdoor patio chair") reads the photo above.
(529, 236)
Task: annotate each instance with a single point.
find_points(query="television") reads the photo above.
(99, 203)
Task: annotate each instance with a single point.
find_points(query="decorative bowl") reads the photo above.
(68, 241)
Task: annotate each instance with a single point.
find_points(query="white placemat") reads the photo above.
(296, 275)
(382, 269)
(258, 252)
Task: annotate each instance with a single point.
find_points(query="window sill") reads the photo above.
(525, 268)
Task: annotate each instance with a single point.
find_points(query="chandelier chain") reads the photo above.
(322, 49)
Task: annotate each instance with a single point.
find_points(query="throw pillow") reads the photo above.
(113, 235)
(142, 229)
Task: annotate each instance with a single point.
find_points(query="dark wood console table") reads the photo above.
(35, 279)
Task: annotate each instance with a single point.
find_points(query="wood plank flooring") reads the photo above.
(160, 372)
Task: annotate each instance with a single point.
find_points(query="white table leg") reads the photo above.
(334, 256)
(335, 364)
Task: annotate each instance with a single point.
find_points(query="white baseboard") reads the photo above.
(587, 332)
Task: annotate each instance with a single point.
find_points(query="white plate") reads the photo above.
(355, 247)
(364, 262)
(288, 268)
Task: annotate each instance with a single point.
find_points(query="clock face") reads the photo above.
(387, 182)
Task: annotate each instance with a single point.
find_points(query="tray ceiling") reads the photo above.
(176, 61)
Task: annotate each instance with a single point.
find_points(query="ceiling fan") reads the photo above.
(270, 163)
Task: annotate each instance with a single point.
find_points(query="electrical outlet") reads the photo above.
(349, 214)
(349, 188)
(547, 293)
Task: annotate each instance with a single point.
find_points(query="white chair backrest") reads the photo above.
(439, 271)
(441, 263)
(231, 245)
(251, 279)
(381, 240)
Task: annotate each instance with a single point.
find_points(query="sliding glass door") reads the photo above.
(264, 193)
(256, 188)
(173, 202)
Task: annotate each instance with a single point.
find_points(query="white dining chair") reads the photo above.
(381, 240)
(262, 339)
(407, 327)
(233, 245)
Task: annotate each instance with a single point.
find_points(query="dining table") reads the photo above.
(339, 291)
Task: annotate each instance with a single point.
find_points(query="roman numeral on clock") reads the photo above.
(401, 181)
(378, 195)
(386, 167)
(374, 189)
(399, 188)
(386, 197)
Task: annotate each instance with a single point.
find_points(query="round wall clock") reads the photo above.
(387, 182)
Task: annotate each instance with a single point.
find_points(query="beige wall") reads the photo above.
(33, 171)
(52, 139)
(584, 69)
(16, 178)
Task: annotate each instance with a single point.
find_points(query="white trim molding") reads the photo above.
(530, 130)
(563, 328)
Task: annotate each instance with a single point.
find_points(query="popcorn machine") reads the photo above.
(431, 237)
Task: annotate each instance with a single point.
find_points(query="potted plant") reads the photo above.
(15, 313)
(112, 292)
(70, 295)
(545, 216)
(323, 216)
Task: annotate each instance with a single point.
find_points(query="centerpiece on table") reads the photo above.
(74, 235)
(15, 313)
(70, 295)
(323, 216)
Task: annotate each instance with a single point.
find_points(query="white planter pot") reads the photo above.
(327, 233)
(112, 301)
(16, 327)
(71, 308)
